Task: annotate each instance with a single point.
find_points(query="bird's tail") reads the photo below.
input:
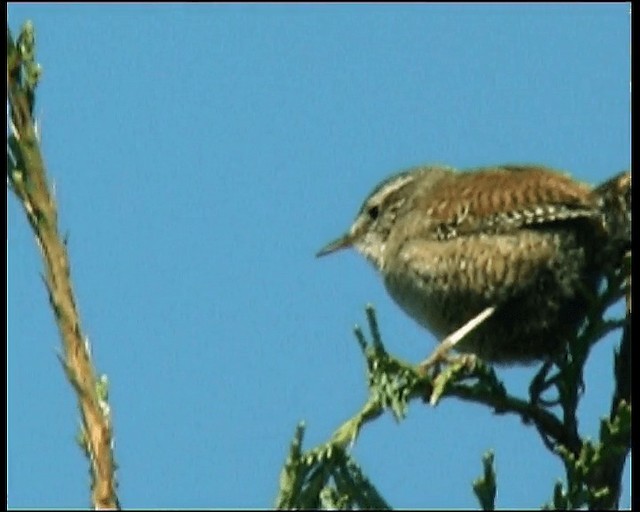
(614, 196)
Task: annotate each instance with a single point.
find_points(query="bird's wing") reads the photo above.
(503, 199)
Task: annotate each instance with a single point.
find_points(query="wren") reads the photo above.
(528, 240)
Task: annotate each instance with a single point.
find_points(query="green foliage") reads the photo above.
(21, 60)
(586, 470)
(485, 486)
(326, 477)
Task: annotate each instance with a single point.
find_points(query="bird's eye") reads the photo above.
(373, 212)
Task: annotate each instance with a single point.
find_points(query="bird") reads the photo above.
(527, 241)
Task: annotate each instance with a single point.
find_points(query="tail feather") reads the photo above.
(614, 196)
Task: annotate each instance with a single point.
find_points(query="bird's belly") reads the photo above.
(425, 307)
(538, 293)
(431, 307)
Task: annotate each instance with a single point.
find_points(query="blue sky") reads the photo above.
(202, 154)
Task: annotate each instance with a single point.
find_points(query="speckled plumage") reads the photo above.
(526, 239)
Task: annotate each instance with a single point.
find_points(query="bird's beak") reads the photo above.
(343, 242)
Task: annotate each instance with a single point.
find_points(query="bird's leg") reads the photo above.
(441, 353)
